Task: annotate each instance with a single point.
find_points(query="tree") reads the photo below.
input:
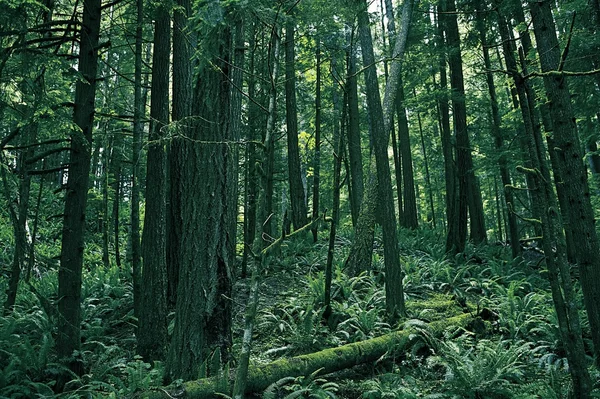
(570, 164)
(297, 196)
(469, 195)
(206, 165)
(152, 331)
(71, 256)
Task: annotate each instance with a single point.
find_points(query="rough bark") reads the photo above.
(71, 257)
(297, 197)
(499, 140)
(138, 113)
(380, 122)
(570, 165)
(183, 43)
(553, 243)
(317, 155)
(468, 187)
(207, 168)
(354, 144)
(152, 331)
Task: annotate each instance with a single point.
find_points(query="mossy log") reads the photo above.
(328, 361)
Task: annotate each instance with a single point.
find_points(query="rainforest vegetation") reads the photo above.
(299, 199)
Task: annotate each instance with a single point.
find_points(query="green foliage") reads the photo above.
(302, 387)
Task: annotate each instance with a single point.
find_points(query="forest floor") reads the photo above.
(514, 352)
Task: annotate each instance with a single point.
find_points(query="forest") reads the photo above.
(300, 199)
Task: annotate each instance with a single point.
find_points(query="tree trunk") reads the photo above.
(570, 166)
(152, 332)
(450, 172)
(265, 203)
(207, 169)
(499, 140)
(410, 216)
(297, 197)
(138, 114)
(71, 257)
(317, 155)
(184, 41)
(252, 181)
(468, 187)
(381, 120)
(553, 243)
(354, 145)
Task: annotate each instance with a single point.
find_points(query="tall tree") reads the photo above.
(71, 256)
(569, 160)
(207, 169)
(469, 195)
(354, 144)
(497, 134)
(138, 113)
(297, 196)
(152, 331)
(381, 117)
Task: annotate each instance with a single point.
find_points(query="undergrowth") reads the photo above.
(516, 354)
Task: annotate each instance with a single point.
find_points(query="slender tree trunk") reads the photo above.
(570, 166)
(138, 114)
(317, 161)
(428, 186)
(297, 197)
(450, 172)
(410, 216)
(381, 121)
(152, 332)
(265, 203)
(116, 167)
(468, 187)
(499, 141)
(354, 145)
(71, 257)
(553, 243)
(252, 179)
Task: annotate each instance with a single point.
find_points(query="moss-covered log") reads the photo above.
(328, 361)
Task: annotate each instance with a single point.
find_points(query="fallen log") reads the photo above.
(327, 361)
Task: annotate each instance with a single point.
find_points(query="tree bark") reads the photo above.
(513, 228)
(317, 155)
(570, 165)
(138, 114)
(297, 198)
(469, 195)
(354, 145)
(71, 257)
(152, 332)
(207, 168)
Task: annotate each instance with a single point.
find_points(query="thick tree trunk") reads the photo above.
(326, 361)
(570, 166)
(207, 168)
(183, 44)
(297, 197)
(152, 332)
(71, 257)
